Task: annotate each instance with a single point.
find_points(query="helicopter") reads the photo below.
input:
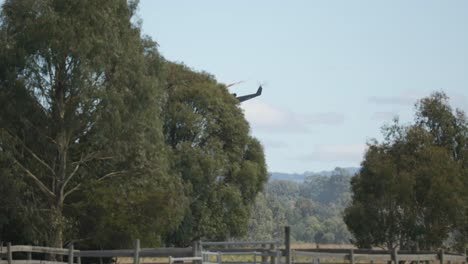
(247, 96)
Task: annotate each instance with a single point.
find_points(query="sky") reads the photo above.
(333, 72)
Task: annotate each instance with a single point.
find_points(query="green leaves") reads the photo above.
(313, 209)
(411, 186)
(80, 123)
(108, 141)
(221, 165)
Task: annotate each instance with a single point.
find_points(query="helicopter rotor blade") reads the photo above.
(232, 84)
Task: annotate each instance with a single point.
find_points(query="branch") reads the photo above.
(62, 189)
(49, 68)
(66, 243)
(82, 160)
(112, 174)
(90, 157)
(32, 152)
(195, 199)
(38, 182)
(71, 191)
(38, 159)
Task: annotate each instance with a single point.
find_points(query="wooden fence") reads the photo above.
(353, 256)
(74, 256)
(266, 252)
(262, 252)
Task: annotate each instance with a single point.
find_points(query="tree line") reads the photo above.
(313, 208)
(102, 140)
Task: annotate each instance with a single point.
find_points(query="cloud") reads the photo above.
(336, 153)
(410, 98)
(277, 144)
(404, 99)
(266, 117)
(384, 116)
(329, 118)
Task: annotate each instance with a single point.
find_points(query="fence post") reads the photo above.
(1, 250)
(279, 256)
(287, 241)
(9, 253)
(441, 256)
(272, 257)
(351, 256)
(395, 255)
(264, 256)
(136, 254)
(196, 250)
(464, 254)
(70, 253)
(219, 258)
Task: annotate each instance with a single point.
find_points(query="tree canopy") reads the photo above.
(411, 189)
(102, 140)
(222, 166)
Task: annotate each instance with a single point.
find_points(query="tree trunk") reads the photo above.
(56, 230)
(57, 221)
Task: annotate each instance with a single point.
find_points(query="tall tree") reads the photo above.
(222, 166)
(410, 190)
(79, 117)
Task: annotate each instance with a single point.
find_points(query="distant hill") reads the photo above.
(297, 177)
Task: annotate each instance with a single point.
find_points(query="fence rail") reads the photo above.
(74, 256)
(370, 256)
(264, 252)
(240, 243)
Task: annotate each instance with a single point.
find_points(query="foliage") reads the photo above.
(223, 168)
(79, 123)
(410, 191)
(103, 141)
(313, 209)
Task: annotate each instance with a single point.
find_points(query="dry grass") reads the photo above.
(327, 246)
(246, 258)
(142, 260)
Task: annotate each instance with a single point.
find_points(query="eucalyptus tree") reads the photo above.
(222, 166)
(79, 121)
(410, 191)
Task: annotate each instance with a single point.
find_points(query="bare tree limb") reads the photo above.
(90, 157)
(36, 180)
(112, 174)
(78, 164)
(35, 156)
(78, 186)
(41, 161)
(62, 189)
